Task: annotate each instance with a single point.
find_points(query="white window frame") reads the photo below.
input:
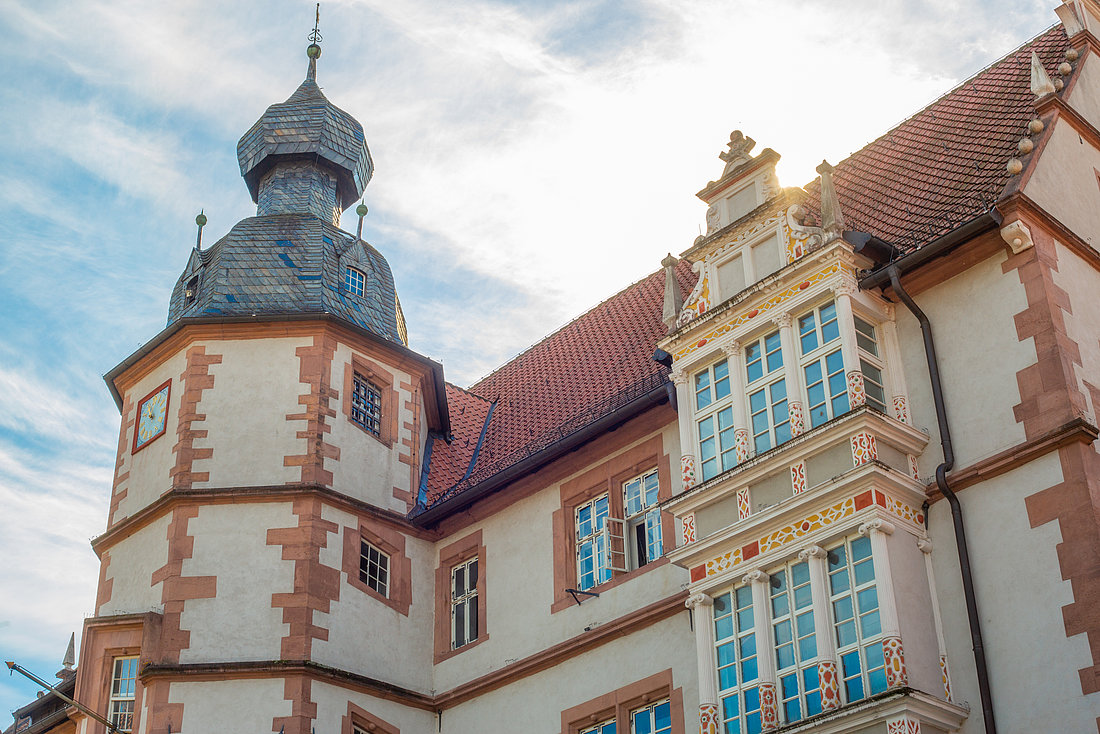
(120, 709)
(740, 651)
(869, 349)
(650, 712)
(355, 280)
(829, 359)
(643, 519)
(776, 430)
(464, 599)
(787, 609)
(866, 646)
(366, 404)
(374, 567)
(715, 420)
(593, 536)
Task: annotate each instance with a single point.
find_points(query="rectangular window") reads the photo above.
(858, 629)
(870, 364)
(818, 328)
(374, 568)
(822, 364)
(366, 404)
(607, 727)
(763, 357)
(655, 718)
(354, 281)
(643, 518)
(593, 543)
(123, 680)
(865, 336)
(735, 640)
(464, 603)
(795, 642)
(770, 418)
(717, 452)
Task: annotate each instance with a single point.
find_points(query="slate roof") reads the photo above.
(946, 164)
(289, 263)
(934, 171)
(585, 370)
(307, 124)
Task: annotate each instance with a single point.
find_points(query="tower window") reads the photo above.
(366, 404)
(191, 294)
(121, 712)
(374, 568)
(354, 281)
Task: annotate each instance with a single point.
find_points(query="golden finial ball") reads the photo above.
(313, 51)
(201, 220)
(361, 210)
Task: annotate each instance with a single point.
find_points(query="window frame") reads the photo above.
(799, 668)
(384, 381)
(466, 600)
(467, 548)
(114, 715)
(366, 400)
(874, 359)
(863, 645)
(619, 706)
(646, 520)
(355, 284)
(819, 355)
(367, 562)
(388, 540)
(712, 413)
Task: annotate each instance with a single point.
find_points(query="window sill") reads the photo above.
(448, 654)
(565, 600)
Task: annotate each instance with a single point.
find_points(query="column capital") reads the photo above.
(845, 285)
(698, 599)
(924, 545)
(756, 576)
(733, 349)
(814, 551)
(678, 376)
(782, 320)
(878, 525)
(888, 311)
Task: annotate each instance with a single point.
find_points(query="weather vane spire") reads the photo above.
(313, 50)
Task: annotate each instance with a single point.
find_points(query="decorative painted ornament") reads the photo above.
(152, 416)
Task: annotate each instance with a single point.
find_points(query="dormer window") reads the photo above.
(191, 293)
(354, 281)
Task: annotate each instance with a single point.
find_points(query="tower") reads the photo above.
(255, 564)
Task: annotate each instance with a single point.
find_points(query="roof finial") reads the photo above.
(313, 50)
(832, 220)
(361, 210)
(201, 221)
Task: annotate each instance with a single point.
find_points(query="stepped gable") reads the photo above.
(288, 264)
(945, 164)
(580, 373)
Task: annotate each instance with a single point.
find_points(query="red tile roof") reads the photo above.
(585, 370)
(945, 164)
(937, 169)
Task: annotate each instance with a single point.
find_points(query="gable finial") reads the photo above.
(740, 147)
(313, 50)
(201, 221)
(1041, 84)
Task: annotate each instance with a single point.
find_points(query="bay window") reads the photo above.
(791, 618)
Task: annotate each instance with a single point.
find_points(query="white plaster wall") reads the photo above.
(149, 468)
(332, 707)
(370, 638)
(519, 579)
(368, 469)
(1085, 95)
(231, 543)
(1082, 283)
(1033, 665)
(133, 561)
(255, 387)
(534, 704)
(979, 355)
(236, 706)
(1065, 182)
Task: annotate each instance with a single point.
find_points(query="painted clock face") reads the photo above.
(152, 416)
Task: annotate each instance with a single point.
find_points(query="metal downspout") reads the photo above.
(952, 499)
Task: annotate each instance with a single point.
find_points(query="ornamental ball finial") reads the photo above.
(313, 51)
(201, 220)
(1071, 54)
(1065, 69)
(1014, 166)
(1025, 145)
(361, 210)
(1035, 126)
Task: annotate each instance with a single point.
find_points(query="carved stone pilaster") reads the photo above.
(782, 320)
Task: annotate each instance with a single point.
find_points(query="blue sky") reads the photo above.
(531, 159)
